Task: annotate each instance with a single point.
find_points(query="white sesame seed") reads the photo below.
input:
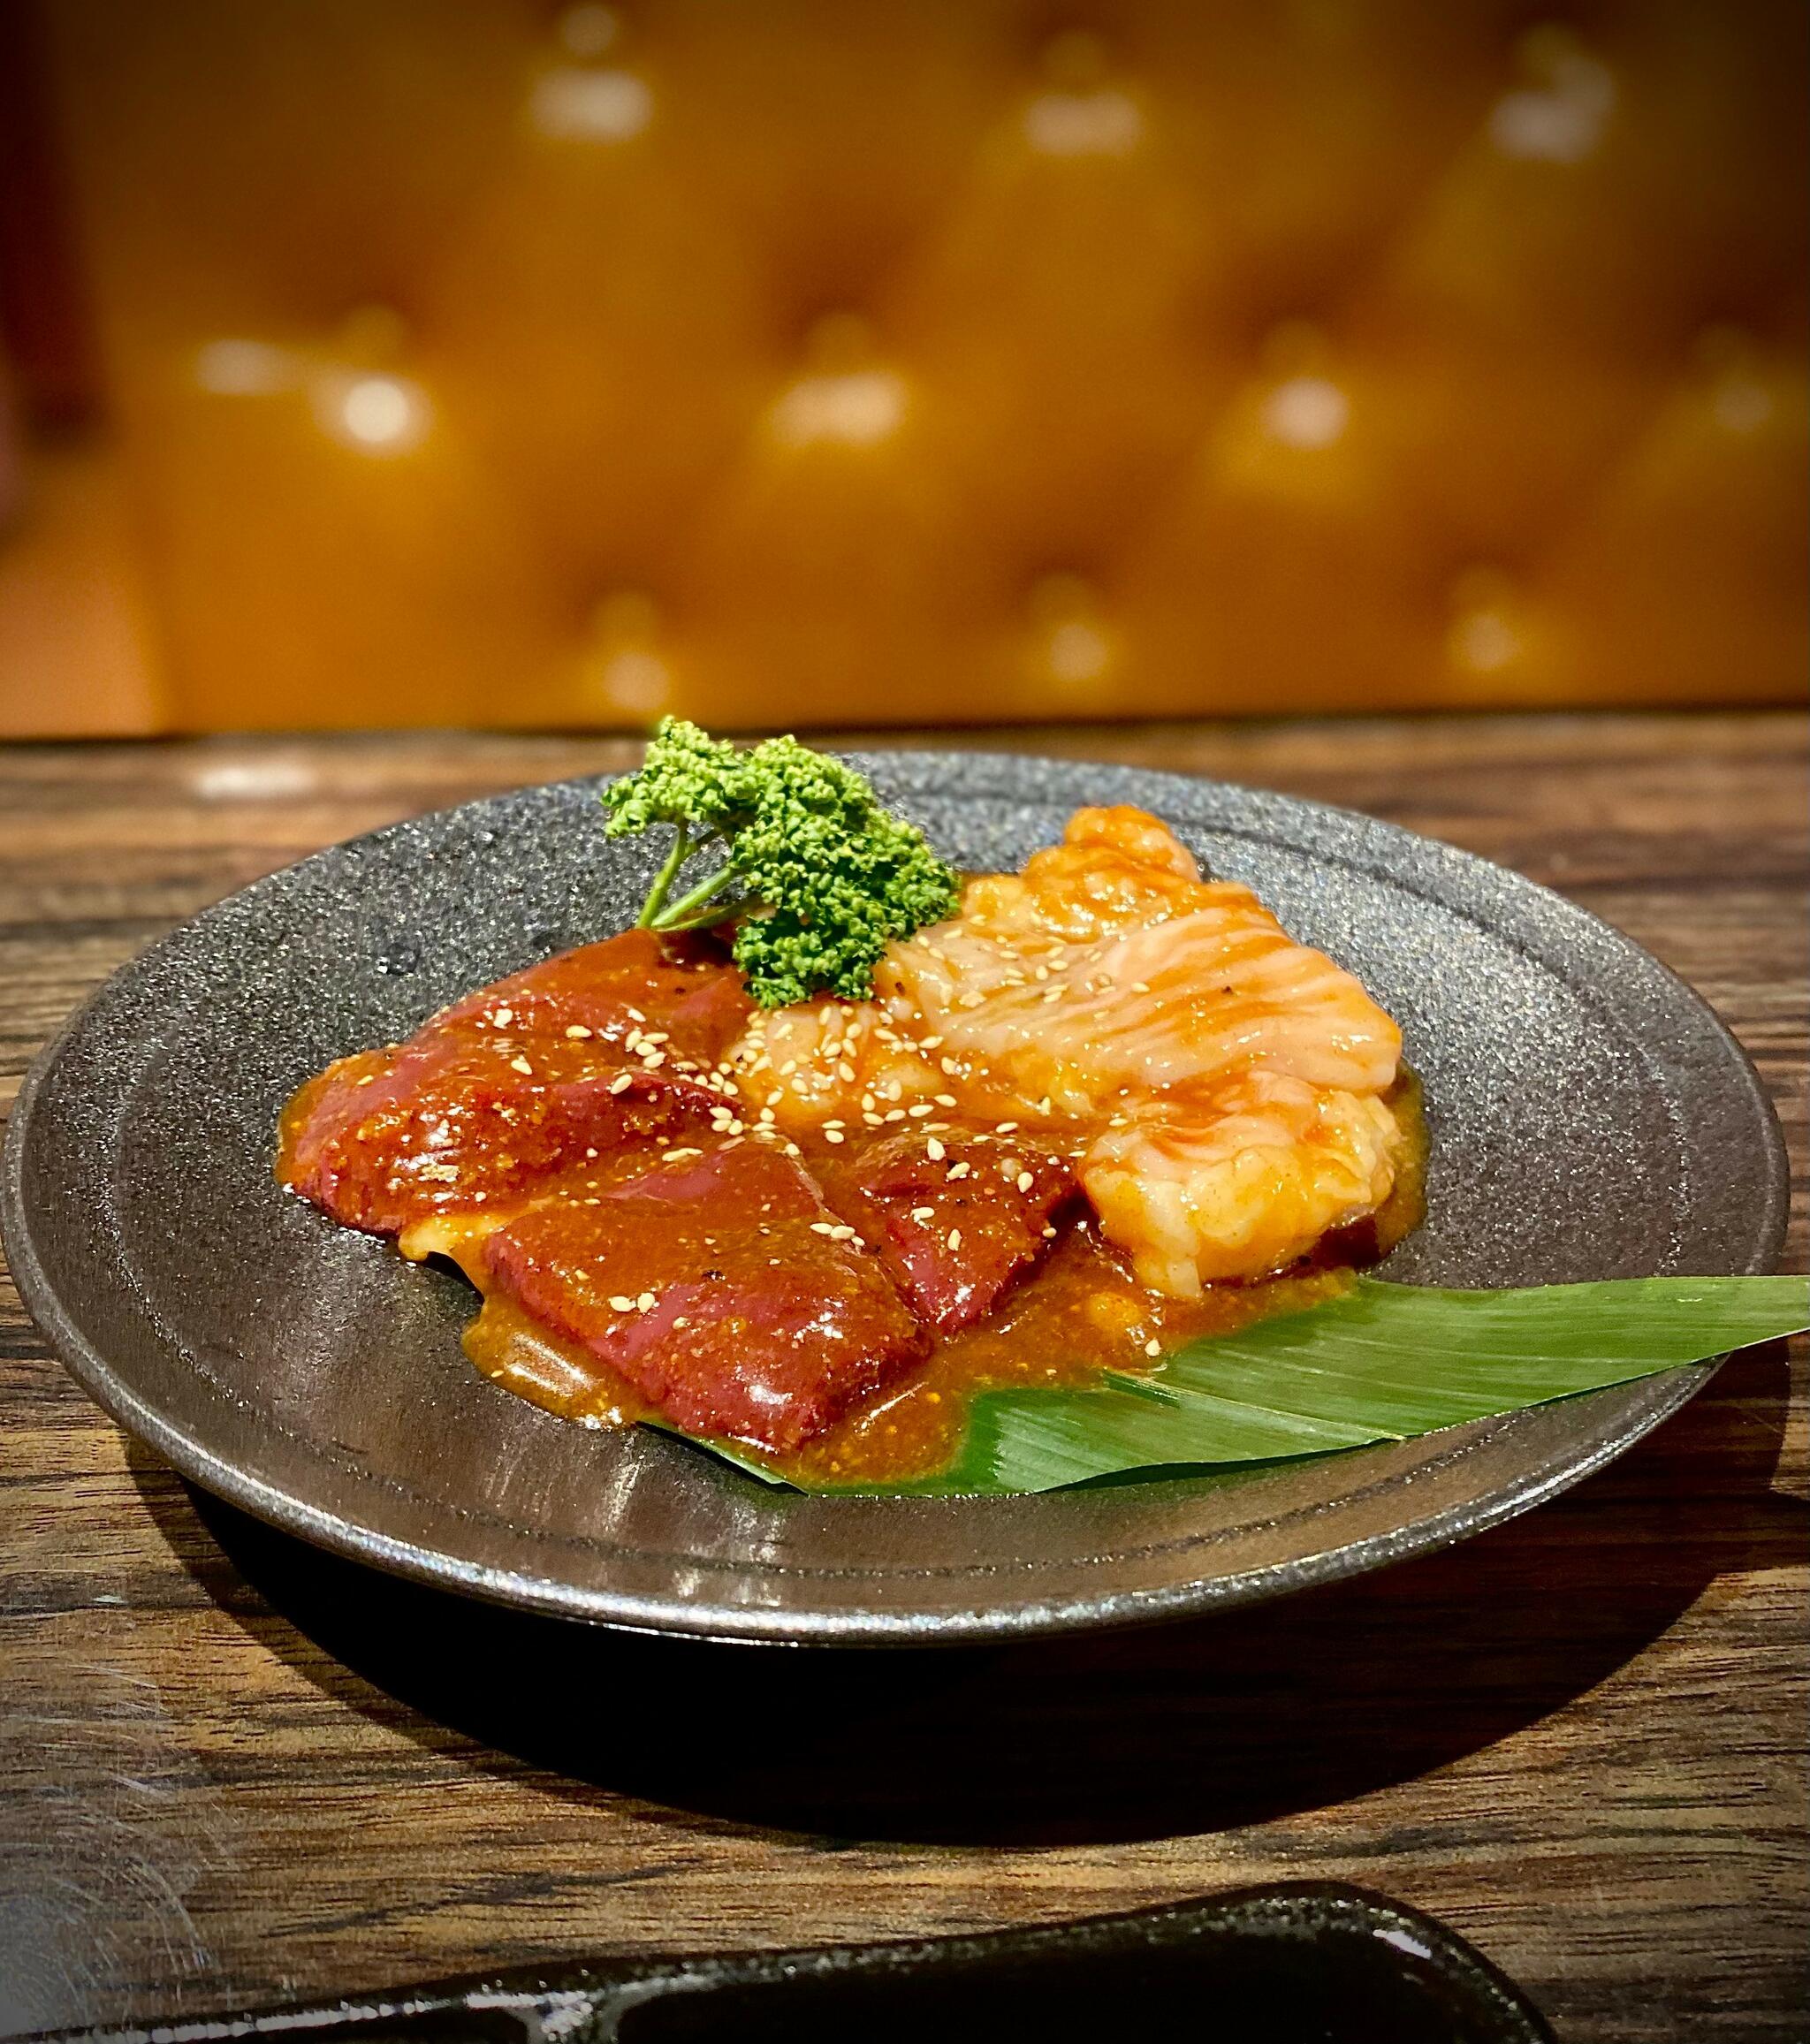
(934, 1151)
(520, 1064)
(923, 1213)
(621, 1082)
(1024, 1182)
(955, 1238)
(621, 1304)
(1153, 1347)
(577, 1031)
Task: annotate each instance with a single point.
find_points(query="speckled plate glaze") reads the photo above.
(1590, 1118)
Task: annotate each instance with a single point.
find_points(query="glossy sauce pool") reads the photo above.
(1080, 1314)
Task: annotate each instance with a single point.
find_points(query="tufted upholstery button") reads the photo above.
(581, 102)
(1484, 637)
(1073, 649)
(1074, 124)
(381, 415)
(1560, 117)
(622, 673)
(1742, 403)
(1307, 412)
(635, 683)
(591, 106)
(587, 29)
(1080, 116)
(858, 408)
(844, 395)
(1304, 408)
(1739, 397)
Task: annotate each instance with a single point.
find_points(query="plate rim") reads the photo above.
(1658, 1397)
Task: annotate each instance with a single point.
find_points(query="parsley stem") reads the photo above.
(682, 849)
(704, 918)
(673, 918)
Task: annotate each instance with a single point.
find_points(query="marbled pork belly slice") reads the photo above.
(1109, 971)
(1240, 1183)
(1228, 1080)
(956, 1218)
(515, 1081)
(717, 1282)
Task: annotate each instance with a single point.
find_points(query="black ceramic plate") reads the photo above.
(1589, 1118)
(1298, 1962)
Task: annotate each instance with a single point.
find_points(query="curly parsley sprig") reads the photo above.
(816, 875)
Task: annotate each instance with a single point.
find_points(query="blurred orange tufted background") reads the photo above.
(794, 361)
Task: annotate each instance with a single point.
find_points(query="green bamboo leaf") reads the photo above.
(1380, 1362)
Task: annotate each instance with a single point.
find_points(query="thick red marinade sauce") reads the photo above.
(572, 1139)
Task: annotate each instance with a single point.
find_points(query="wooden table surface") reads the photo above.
(234, 1770)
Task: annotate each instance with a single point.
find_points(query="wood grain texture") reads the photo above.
(234, 1770)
